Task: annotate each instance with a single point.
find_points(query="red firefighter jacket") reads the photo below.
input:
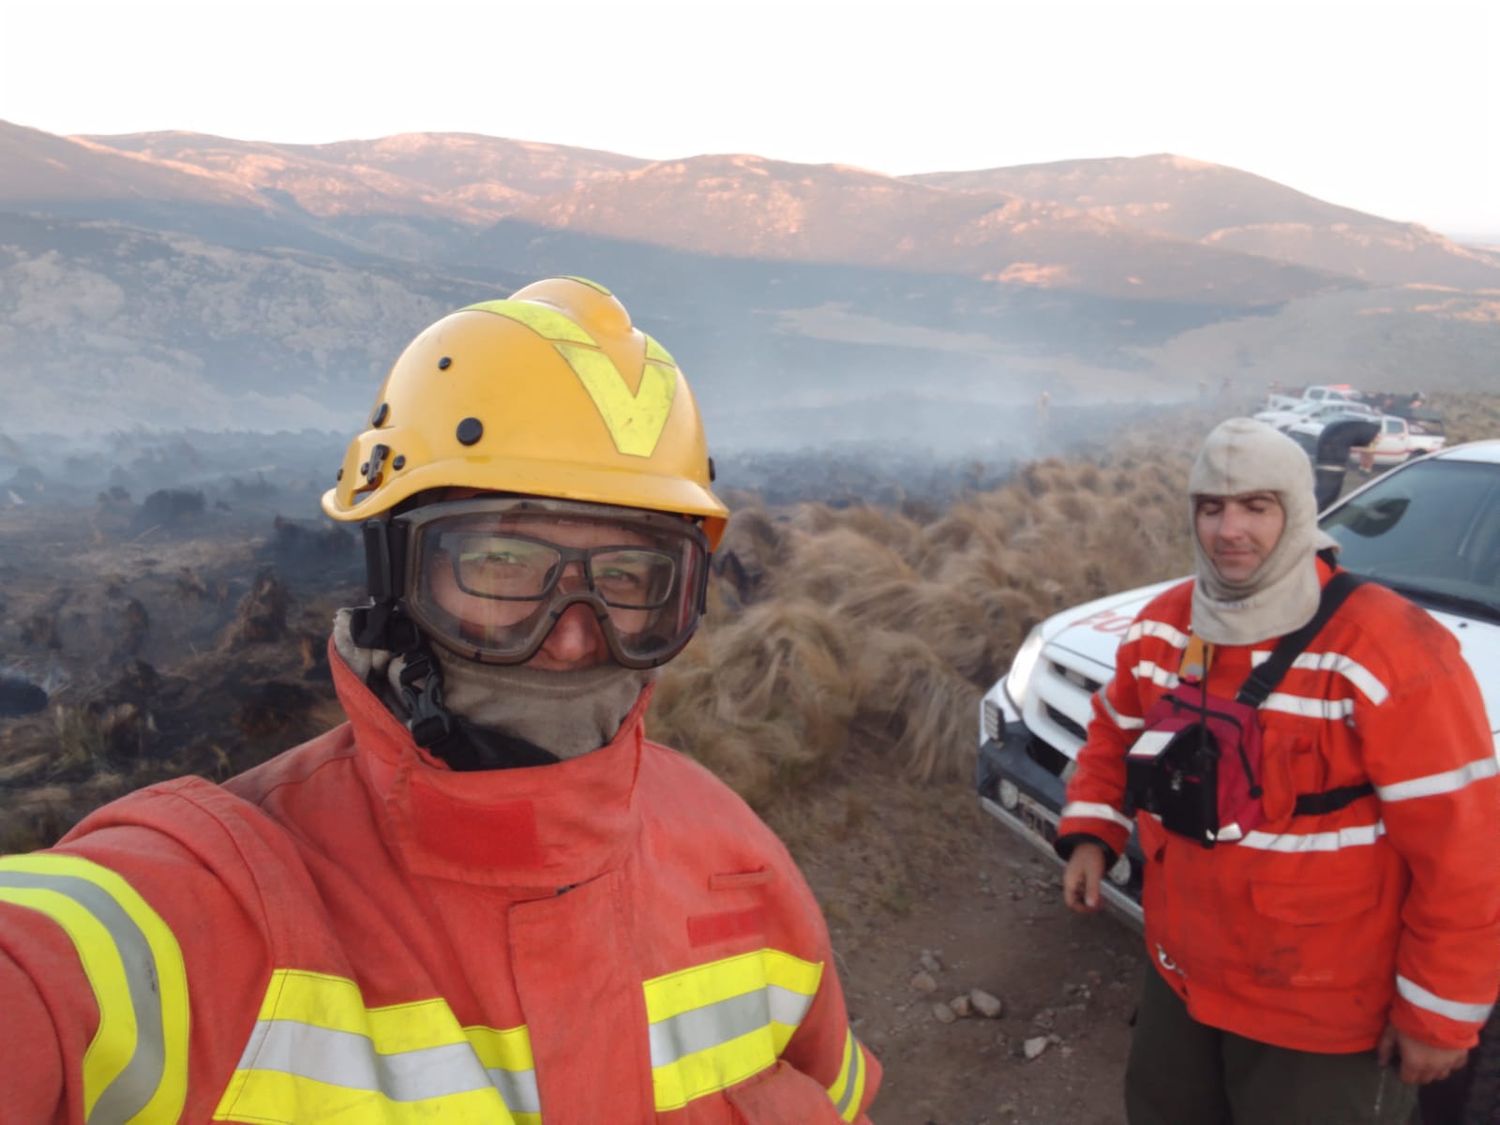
(1316, 930)
(352, 933)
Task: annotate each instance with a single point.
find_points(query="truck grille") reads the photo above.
(1075, 677)
(1065, 722)
(1059, 707)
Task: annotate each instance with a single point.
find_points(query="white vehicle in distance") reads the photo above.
(1429, 529)
(1318, 393)
(1398, 440)
(1314, 412)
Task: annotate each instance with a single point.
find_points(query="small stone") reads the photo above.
(1044, 1020)
(988, 1006)
(930, 962)
(923, 982)
(1035, 1046)
(943, 1014)
(961, 1006)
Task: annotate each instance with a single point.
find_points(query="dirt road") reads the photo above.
(989, 913)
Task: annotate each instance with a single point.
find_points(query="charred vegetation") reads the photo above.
(848, 641)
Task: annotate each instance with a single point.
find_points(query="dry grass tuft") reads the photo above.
(764, 700)
(844, 633)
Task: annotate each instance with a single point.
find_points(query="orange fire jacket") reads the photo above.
(351, 932)
(1316, 930)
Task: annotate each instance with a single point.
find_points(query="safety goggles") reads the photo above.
(489, 577)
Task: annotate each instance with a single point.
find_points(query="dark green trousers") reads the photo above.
(1182, 1072)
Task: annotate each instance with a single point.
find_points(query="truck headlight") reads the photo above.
(989, 720)
(1019, 677)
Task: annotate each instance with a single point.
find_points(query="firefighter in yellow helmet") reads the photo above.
(487, 897)
(508, 438)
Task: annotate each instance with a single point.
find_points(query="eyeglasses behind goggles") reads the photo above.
(489, 577)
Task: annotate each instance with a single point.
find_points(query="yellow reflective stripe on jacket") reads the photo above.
(848, 1091)
(714, 1025)
(135, 1067)
(318, 1053)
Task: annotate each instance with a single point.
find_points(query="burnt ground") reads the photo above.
(142, 641)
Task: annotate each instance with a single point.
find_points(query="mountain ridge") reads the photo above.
(252, 278)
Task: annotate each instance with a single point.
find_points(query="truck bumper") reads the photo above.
(1027, 798)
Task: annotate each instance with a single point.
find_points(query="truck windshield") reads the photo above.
(1431, 531)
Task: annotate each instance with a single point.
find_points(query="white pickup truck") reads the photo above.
(1312, 411)
(1429, 529)
(1318, 393)
(1399, 439)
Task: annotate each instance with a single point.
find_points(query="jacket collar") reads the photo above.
(542, 827)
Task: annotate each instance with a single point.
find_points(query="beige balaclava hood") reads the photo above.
(566, 713)
(1240, 456)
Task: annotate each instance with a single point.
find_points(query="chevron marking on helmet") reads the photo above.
(635, 421)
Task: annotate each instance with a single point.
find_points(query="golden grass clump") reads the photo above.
(913, 704)
(1468, 416)
(764, 700)
(860, 631)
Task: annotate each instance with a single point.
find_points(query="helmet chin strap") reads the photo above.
(383, 625)
(433, 727)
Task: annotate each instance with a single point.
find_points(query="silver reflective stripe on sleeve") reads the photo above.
(1162, 677)
(1419, 997)
(715, 1024)
(318, 1052)
(350, 1061)
(1098, 811)
(1450, 781)
(1158, 629)
(1122, 722)
(135, 1084)
(854, 1084)
(702, 1028)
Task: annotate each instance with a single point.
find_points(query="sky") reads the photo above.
(1391, 108)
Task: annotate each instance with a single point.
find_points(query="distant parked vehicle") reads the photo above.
(1311, 410)
(1395, 442)
(1428, 433)
(1317, 393)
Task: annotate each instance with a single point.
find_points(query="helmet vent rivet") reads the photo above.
(340, 476)
(399, 462)
(713, 472)
(364, 470)
(470, 430)
(382, 412)
(445, 363)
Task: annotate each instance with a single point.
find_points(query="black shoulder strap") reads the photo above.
(1263, 680)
